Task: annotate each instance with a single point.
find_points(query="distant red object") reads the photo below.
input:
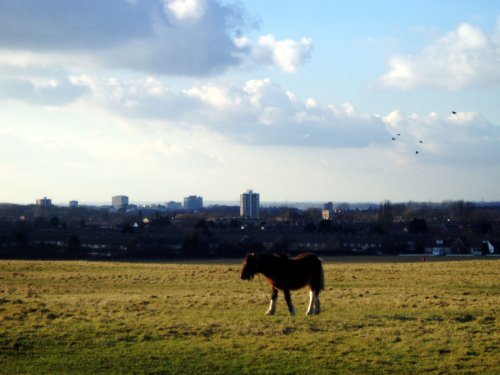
(424, 259)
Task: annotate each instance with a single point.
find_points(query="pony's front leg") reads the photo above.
(272, 305)
(288, 300)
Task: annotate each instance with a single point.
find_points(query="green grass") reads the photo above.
(383, 317)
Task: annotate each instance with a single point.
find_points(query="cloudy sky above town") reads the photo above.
(298, 100)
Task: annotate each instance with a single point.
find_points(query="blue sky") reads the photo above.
(299, 101)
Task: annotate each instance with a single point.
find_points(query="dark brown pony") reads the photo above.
(286, 274)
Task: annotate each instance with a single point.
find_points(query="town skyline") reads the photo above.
(237, 202)
(348, 101)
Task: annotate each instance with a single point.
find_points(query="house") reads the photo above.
(105, 246)
(459, 246)
(314, 243)
(482, 247)
(437, 246)
(362, 244)
(49, 239)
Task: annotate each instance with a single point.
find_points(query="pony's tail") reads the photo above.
(322, 279)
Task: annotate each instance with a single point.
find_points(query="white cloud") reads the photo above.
(259, 112)
(41, 91)
(465, 57)
(287, 54)
(186, 9)
(311, 103)
(262, 113)
(216, 96)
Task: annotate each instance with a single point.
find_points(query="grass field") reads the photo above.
(383, 317)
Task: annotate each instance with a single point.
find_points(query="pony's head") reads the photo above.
(249, 267)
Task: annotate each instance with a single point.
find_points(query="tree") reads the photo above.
(160, 222)
(385, 216)
(281, 245)
(343, 207)
(325, 226)
(417, 226)
(194, 243)
(202, 226)
(195, 240)
(54, 222)
(484, 248)
(484, 227)
(309, 227)
(128, 229)
(376, 229)
(73, 244)
(459, 210)
(312, 214)
(22, 239)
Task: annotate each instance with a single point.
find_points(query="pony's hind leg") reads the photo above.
(288, 299)
(317, 303)
(312, 303)
(272, 305)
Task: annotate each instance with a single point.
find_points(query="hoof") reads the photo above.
(269, 312)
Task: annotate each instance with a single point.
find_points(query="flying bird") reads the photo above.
(416, 152)
(454, 112)
(420, 142)
(393, 138)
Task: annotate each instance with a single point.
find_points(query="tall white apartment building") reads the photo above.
(193, 203)
(249, 204)
(44, 202)
(119, 201)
